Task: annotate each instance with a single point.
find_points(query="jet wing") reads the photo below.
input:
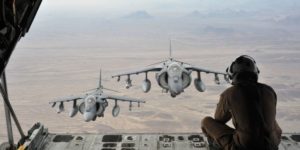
(193, 68)
(67, 99)
(122, 98)
(149, 69)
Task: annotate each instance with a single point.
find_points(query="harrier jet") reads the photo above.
(173, 76)
(92, 104)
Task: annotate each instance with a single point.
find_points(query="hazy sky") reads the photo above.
(156, 6)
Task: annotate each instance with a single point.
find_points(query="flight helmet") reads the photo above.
(242, 64)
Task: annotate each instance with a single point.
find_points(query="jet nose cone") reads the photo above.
(88, 116)
(177, 89)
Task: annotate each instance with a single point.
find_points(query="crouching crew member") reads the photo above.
(252, 108)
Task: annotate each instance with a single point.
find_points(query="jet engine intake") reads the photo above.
(100, 110)
(82, 108)
(186, 79)
(162, 79)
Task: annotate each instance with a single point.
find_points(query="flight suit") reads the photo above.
(252, 108)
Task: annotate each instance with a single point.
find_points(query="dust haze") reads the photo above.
(68, 44)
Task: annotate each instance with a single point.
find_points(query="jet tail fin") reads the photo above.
(170, 49)
(100, 80)
(102, 87)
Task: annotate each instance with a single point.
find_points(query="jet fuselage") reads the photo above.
(93, 106)
(174, 78)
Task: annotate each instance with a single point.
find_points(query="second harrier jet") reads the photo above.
(93, 104)
(173, 76)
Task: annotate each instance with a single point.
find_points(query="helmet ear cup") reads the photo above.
(229, 70)
(228, 73)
